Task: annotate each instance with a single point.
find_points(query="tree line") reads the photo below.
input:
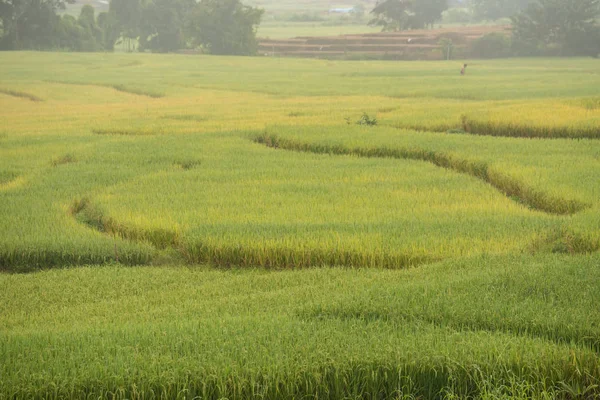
(540, 27)
(216, 26)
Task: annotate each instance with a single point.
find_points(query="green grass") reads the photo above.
(23, 95)
(288, 210)
(237, 237)
(487, 327)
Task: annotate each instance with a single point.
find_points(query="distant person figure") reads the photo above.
(463, 69)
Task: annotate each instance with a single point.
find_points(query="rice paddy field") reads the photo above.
(217, 227)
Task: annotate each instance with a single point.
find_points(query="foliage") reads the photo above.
(394, 15)
(558, 27)
(367, 120)
(427, 12)
(447, 48)
(29, 24)
(162, 25)
(92, 38)
(107, 25)
(126, 16)
(457, 16)
(496, 9)
(225, 27)
(491, 45)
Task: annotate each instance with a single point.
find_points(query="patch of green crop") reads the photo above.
(248, 165)
(249, 205)
(515, 326)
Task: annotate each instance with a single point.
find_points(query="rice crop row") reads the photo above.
(510, 187)
(124, 132)
(514, 129)
(298, 210)
(477, 328)
(118, 87)
(487, 80)
(17, 93)
(86, 212)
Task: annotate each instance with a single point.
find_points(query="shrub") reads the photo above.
(367, 120)
(447, 48)
(492, 45)
(457, 16)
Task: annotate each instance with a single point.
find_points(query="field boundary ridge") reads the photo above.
(509, 186)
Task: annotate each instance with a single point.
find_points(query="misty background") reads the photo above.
(233, 27)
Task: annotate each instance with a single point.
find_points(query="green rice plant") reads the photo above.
(511, 129)
(506, 185)
(187, 164)
(125, 132)
(7, 176)
(17, 93)
(476, 328)
(367, 120)
(140, 92)
(470, 261)
(65, 159)
(186, 117)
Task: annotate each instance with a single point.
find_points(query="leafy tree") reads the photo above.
(91, 39)
(70, 34)
(561, 27)
(428, 11)
(497, 9)
(29, 23)
(224, 26)
(107, 25)
(394, 15)
(162, 25)
(126, 16)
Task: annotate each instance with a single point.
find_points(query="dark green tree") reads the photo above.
(162, 25)
(558, 27)
(224, 26)
(492, 10)
(126, 16)
(110, 34)
(69, 33)
(29, 24)
(394, 15)
(91, 39)
(426, 12)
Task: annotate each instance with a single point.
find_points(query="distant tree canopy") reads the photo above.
(558, 27)
(29, 23)
(218, 26)
(394, 15)
(162, 25)
(225, 26)
(496, 9)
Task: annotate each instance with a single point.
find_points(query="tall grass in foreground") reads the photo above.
(487, 327)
